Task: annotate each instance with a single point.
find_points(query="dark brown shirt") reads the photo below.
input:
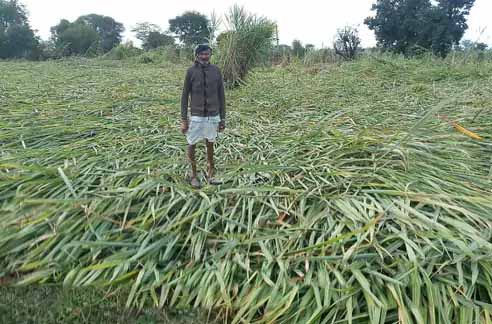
(205, 84)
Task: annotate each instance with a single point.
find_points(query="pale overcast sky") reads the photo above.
(311, 21)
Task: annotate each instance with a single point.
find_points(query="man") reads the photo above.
(205, 84)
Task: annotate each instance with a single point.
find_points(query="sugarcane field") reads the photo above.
(234, 179)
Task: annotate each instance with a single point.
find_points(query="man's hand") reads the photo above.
(221, 126)
(184, 126)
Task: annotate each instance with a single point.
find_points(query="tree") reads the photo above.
(471, 45)
(481, 46)
(17, 39)
(152, 36)
(78, 39)
(447, 24)
(309, 47)
(297, 48)
(12, 13)
(191, 28)
(142, 30)
(347, 43)
(74, 38)
(110, 31)
(46, 50)
(57, 30)
(90, 34)
(397, 23)
(156, 39)
(404, 25)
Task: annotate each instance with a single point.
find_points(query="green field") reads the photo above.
(349, 196)
(49, 304)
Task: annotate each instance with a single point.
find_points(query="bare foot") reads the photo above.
(195, 183)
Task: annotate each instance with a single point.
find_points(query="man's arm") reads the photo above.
(185, 96)
(222, 109)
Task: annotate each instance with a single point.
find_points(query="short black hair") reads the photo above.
(201, 48)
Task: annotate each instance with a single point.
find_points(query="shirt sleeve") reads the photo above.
(222, 109)
(185, 95)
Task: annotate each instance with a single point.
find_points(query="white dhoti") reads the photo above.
(202, 128)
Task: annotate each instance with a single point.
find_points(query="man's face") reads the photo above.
(204, 56)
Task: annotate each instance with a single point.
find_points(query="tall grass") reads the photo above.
(246, 43)
(319, 56)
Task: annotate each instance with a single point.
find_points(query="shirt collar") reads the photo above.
(202, 64)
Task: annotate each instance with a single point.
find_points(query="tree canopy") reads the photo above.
(191, 28)
(408, 25)
(88, 34)
(152, 36)
(17, 39)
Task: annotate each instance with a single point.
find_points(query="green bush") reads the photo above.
(123, 51)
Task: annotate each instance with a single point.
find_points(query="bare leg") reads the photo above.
(211, 165)
(191, 157)
(210, 159)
